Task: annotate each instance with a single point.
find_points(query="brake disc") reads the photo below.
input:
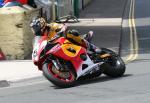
(61, 74)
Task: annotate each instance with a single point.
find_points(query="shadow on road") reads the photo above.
(95, 80)
(100, 79)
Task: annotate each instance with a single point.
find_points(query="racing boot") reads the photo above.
(94, 48)
(88, 36)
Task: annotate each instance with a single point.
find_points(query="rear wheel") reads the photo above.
(114, 65)
(58, 77)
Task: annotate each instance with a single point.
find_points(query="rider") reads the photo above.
(41, 28)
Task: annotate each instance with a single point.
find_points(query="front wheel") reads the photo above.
(57, 77)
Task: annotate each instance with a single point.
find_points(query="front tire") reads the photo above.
(59, 78)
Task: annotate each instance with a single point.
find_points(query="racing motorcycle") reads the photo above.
(63, 62)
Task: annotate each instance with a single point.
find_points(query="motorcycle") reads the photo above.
(63, 62)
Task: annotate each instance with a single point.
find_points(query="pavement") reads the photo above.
(105, 22)
(16, 70)
(98, 13)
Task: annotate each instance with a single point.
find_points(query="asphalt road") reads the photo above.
(133, 87)
(142, 15)
(141, 21)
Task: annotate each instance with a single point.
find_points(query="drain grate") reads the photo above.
(4, 83)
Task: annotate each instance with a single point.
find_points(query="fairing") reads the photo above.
(39, 44)
(71, 52)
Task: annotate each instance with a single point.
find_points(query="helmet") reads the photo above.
(42, 23)
(39, 22)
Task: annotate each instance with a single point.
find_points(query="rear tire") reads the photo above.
(114, 65)
(54, 75)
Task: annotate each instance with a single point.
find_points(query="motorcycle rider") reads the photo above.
(41, 28)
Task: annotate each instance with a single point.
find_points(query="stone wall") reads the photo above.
(15, 33)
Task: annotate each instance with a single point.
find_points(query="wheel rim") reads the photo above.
(63, 76)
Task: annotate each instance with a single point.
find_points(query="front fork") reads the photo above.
(61, 65)
(57, 64)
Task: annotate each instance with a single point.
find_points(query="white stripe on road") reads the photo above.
(140, 22)
(98, 22)
(144, 39)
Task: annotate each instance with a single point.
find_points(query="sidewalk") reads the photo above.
(98, 13)
(105, 22)
(15, 70)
